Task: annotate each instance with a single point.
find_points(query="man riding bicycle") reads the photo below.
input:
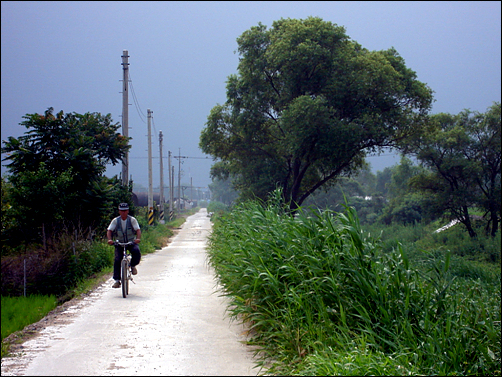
(125, 228)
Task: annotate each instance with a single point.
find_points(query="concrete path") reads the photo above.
(172, 323)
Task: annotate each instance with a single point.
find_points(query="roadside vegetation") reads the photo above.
(321, 296)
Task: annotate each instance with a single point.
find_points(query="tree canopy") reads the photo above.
(307, 105)
(462, 154)
(57, 171)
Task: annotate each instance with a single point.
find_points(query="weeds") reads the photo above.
(17, 312)
(322, 298)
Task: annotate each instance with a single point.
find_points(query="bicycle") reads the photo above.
(125, 268)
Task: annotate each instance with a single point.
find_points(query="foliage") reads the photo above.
(305, 108)
(57, 173)
(222, 191)
(319, 297)
(155, 238)
(17, 312)
(7, 222)
(383, 179)
(359, 191)
(217, 208)
(462, 154)
(73, 257)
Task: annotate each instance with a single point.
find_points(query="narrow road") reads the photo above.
(172, 323)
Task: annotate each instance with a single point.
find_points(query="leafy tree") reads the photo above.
(382, 181)
(463, 156)
(306, 107)
(222, 191)
(57, 170)
(405, 205)
(358, 191)
(484, 131)
(401, 174)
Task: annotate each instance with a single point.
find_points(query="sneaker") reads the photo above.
(116, 284)
(134, 271)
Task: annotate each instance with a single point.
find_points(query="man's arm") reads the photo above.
(138, 236)
(109, 236)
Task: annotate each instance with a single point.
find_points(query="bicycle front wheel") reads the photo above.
(123, 278)
(128, 278)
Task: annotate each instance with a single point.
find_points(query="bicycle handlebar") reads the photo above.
(123, 244)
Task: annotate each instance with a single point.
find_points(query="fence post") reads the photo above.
(24, 277)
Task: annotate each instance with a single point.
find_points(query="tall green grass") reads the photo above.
(320, 297)
(17, 312)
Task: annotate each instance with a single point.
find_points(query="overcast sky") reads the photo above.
(67, 55)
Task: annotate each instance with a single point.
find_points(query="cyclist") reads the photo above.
(125, 228)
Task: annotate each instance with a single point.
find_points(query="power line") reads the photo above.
(155, 129)
(136, 102)
(199, 158)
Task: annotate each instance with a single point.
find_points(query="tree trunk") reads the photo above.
(495, 222)
(466, 220)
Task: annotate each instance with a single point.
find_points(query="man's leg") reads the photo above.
(135, 254)
(116, 263)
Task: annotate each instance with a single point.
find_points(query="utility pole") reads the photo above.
(150, 188)
(170, 187)
(179, 178)
(125, 115)
(161, 199)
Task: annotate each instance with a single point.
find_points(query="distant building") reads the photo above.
(140, 199)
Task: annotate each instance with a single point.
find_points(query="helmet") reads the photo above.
(123, 206)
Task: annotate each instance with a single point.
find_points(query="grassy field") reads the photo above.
(17, 312)
(321, 297)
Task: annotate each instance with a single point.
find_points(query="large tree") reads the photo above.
(56, 170)
(307, 105)
(462, 153)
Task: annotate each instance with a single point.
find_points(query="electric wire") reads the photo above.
(136, 102)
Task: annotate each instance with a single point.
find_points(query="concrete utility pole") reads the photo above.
(125, 115)
(170, 186)
(172, 192)
(179, 178)
(161, 199)
(150, 187)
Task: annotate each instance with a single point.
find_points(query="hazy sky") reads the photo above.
(67, 55)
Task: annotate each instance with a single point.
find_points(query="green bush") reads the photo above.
(217, 208)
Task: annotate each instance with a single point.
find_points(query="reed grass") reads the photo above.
(320, 297)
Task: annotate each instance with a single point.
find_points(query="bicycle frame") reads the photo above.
(125, 267)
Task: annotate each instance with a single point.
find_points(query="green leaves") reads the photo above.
(57, 170)
(306, 106)
(462, 153)
(313, 284)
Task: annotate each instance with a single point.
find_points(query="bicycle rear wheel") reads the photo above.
(123, 278)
